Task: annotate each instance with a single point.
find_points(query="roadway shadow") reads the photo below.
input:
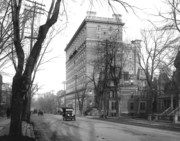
(8, 138)
(81, 128)
(54, 136)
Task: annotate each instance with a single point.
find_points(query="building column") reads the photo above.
(175, 118)
(110, 105)
(172, 101)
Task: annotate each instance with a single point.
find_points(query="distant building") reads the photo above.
(5, 95)
(80, 52)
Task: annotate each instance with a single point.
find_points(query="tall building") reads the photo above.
(79, 51)
(80, 54)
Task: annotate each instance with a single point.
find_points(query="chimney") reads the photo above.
(117, 16)
(91, 14)
(136, 42)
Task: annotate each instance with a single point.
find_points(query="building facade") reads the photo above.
(131, 93)
(80, 54)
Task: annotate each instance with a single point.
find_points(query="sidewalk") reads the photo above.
(4, 126)
(142, 122)
(27, 129)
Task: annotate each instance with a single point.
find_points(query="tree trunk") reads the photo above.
(104, 105)
(22, 78)
(28, 111)
(149, 102)
(19, 93)
(16, 107)
(117, 101)
(81, 109)
(26, 107)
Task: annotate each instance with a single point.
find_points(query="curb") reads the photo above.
(159, 125)
(27, 128)
(38, 136)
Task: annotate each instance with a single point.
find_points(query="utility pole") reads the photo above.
(75, 91)
(34, 10)
(64, 82)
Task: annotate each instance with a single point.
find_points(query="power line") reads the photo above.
(34, 10)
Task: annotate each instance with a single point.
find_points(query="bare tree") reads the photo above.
(5, 34)
(100, 76)
(157, 50)
(22, 78)
(47, 103)
(82, 95)
(118, 60)
(169, 18)
(108, 68)
(60, 97)
(41, 61)
(170, 22)
(98, 91)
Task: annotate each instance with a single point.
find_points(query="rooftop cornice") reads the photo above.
(94, 20)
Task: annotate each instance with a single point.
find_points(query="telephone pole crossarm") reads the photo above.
(35, 2)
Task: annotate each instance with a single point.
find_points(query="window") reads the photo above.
(98, 36)
(142, 106)
(98, 28)
(110, 28)
(126, 76)
(132, 95)
(111, 94)
(113, 114)
(130, 56)
(113, 106)
(131, 106)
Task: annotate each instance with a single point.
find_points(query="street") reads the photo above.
(53, 128)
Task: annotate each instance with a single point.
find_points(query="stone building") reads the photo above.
(80, 52)
(132, 85)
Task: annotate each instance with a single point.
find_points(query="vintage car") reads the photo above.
(68, 113)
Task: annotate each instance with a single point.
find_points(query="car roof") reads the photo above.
(67, 108)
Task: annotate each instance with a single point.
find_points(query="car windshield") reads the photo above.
(69, 110)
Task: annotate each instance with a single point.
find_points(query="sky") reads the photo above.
(52, 74)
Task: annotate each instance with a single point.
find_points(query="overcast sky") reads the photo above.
(52, 74)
